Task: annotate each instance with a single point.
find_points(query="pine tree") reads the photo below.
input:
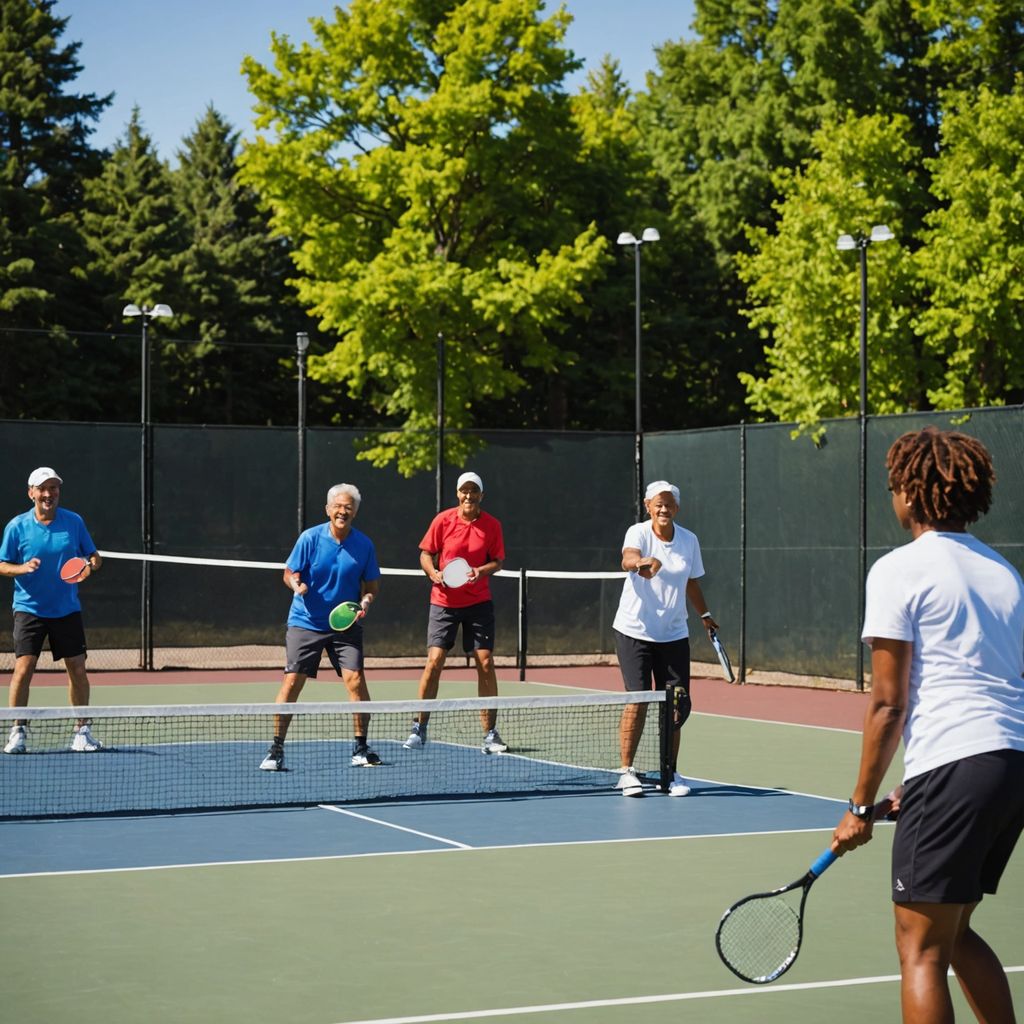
(44, 155)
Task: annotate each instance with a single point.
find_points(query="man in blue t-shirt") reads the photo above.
(35, 545)
(330, 563)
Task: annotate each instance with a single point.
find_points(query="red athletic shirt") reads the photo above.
(450, 536)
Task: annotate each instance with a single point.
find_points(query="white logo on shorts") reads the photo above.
(899, 886)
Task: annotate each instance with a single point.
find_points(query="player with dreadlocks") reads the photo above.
(945, 620)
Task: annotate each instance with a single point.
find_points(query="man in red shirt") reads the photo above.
(468, 532)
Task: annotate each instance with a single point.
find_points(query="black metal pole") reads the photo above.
(439, 472)
(638, 439)
(147, 506)
(742, 678)
(301, 345)
(862, 466)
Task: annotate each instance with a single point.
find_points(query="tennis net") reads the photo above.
(207, 757)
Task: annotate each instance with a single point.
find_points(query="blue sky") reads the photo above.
(172, 59)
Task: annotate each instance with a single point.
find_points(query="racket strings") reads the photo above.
(760, 938)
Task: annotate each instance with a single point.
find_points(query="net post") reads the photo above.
(666, 714)
(521, 652)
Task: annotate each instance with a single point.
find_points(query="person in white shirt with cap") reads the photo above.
(35, 545)
(651, 631)
(465, 531)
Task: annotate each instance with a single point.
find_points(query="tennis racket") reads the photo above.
(723, 658)
(71, 571)
(344, 615)
(759, 937)
(455, 573)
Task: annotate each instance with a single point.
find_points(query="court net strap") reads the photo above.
(234, 563)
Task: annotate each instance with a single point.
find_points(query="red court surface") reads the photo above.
(838, 709)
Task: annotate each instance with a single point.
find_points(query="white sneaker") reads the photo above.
(84, 742)
(493, 743)
(629, 784)
(417, 737)
(16, 741)
(678, 786)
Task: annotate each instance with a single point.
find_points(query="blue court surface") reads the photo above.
(402, 827)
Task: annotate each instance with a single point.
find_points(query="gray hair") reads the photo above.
(350, 489)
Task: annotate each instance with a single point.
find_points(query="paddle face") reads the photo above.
(723, 658)
(759, 936)
(344, 615)
(71, 571)
(456, 573)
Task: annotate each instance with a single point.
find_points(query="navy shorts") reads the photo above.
(641, 661)
(476, 620)
(957, 827)
(66, 635)
(303, 649)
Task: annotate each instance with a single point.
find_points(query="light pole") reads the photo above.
(879, 233)
(147, 313)
(628, 238)
(301, 347)
(439, 473)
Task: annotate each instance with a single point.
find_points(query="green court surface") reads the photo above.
(593, 932)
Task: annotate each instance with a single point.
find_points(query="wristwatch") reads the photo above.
(863, 811)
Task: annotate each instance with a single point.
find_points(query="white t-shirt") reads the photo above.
(961, 604)
(655, 609)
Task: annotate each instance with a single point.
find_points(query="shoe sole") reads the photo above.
(271, 767)
(633, 791)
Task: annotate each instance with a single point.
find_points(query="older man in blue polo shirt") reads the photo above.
(35, 545)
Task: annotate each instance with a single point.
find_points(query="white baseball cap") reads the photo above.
(469, 478)
(661, 485)
(39, 476)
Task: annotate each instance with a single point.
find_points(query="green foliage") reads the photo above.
(421, 155)
(973, 254)
(44, 154)
(133, 227)
(233, 299)
(805, 294)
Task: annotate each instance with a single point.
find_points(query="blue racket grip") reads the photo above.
(825, 861)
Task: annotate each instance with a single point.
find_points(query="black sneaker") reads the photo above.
(274, 761)
(363, 757)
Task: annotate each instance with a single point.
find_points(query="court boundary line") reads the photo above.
(597, 1004)
(397, 828)
(413, 853)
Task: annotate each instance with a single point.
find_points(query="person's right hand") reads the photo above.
(648, 567)
(30, 566)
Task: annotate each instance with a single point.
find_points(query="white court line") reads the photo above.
(596, 1004)
(411, 853)
(397, 828)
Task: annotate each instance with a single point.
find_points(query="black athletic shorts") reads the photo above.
(957, 827)
(66, 635)
(642, 660)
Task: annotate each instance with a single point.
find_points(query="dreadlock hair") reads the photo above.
(945, 476)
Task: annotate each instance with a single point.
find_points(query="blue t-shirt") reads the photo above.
(43, 592)
(333, 573)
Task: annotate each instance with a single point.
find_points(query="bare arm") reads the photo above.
(883, 726)
(293, 581)
(634, 561)
(370, 590)
(427, 565)
(695, 595)
(15, 569)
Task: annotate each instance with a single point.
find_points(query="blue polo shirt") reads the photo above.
(43, 592)
(333, 572)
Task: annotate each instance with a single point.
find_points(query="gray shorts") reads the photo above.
(303, 649)
(477, 622)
